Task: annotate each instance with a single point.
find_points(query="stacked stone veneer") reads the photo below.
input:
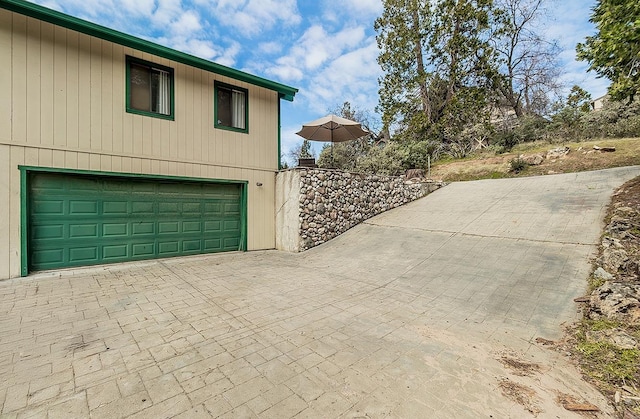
(316, 205)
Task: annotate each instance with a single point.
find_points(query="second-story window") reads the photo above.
(231, 107)
(149, 89)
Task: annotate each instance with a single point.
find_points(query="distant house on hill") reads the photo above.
(598, 103)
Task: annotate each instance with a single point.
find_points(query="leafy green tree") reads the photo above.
(437, 63)
(614, 51)
(567, 121)
(305, 150)
(301, 151)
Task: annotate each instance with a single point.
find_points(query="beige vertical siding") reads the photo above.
(63, 106)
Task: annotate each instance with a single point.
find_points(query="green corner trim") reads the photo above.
(57, 18)
(279, 136)
(24, 231)
(244, 219)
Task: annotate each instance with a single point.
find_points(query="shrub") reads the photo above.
(518, 165)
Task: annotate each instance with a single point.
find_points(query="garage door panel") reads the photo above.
(169, 248)
(168, 227)
(231, 243)
(231, 225)
(116, 208)
(231, 208)
(83, 254)
(76, 220)
(191, 227)
(48, 207)
(83, 208)
(168, 208)
(140, 228)
(81, 184)
(190, 246)
(142, 207)
(115, 252)
(143, 249)
(115, 230)
(213, 208)
(83, 231)
(212, 226)
(53, 231)
(191, 208)
(211, 245)
(47, 257)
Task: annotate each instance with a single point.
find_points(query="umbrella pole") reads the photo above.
(333, 163)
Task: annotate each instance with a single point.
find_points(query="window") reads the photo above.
(149, 89)
(231, 107)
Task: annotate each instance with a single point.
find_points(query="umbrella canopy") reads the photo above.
(333, 129)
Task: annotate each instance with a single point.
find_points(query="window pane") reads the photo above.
(140, 87)
(238, 109)
(224, 107)
(160, 91)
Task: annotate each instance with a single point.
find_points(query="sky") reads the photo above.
(325, 48)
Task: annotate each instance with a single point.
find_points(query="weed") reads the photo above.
(607, 362)
(595, 283)
(602, 360)
(600, 324)
(496, 175)
(518, 165)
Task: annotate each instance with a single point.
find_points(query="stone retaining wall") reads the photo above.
(316, 205)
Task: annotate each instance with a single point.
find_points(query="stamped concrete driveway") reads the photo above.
(429, 310)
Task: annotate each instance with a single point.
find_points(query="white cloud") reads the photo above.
(253, 17)
(269, 48)
(228, 58)
(350, 77)
(371, 6)
(166, 12)
(186, 24)
(314, 48)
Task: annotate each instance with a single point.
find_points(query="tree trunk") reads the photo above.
(422, 74)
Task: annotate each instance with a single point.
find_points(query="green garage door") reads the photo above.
(79, 220)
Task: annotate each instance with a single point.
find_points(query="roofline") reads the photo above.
(60, 19)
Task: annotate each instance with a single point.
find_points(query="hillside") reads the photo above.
(487, 164)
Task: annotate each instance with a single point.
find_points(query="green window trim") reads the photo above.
(130, 109)
(24, 200)
(217, 86)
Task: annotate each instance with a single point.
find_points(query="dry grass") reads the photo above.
(486, 164)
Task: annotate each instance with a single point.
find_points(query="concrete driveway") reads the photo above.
(430, 310)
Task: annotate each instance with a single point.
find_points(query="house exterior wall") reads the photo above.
(62, 105)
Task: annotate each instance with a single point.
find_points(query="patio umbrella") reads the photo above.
(332, 129)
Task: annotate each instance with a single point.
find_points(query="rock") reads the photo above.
(608, 242)
(602, 274)
(618, 337)
(413, 174)
(533, 160)
(614, 259)
(558, 152)
(618, 301)
(332, 201)
(604, 149)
